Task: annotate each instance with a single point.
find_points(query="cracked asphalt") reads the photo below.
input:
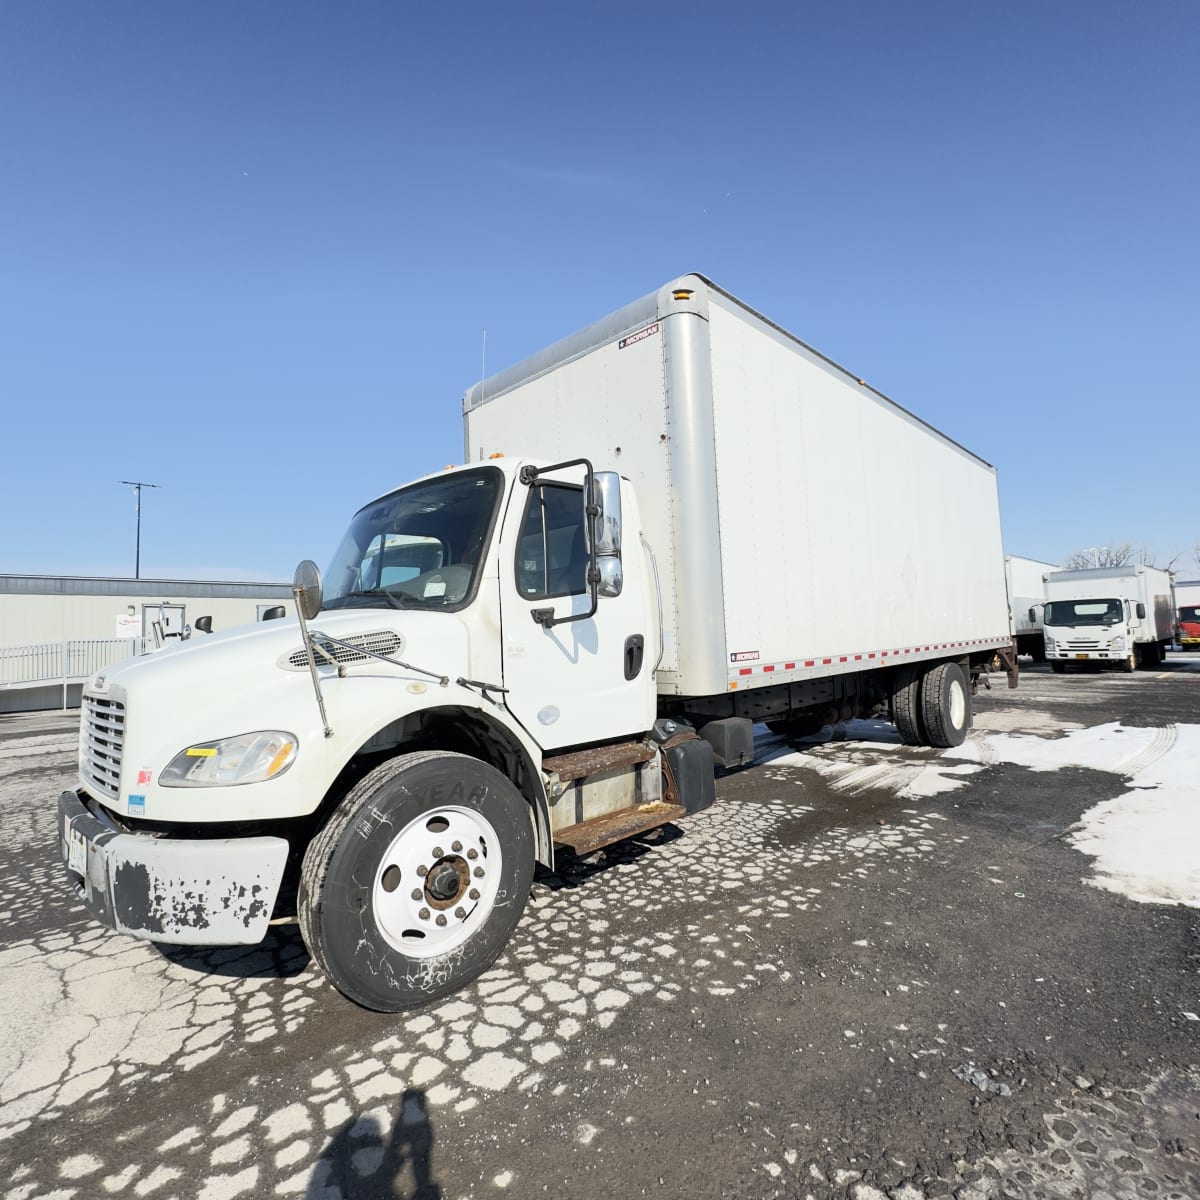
(868, 971)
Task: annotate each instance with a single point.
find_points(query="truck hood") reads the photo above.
(436, 642)
(257, 678)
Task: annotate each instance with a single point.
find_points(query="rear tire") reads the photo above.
(906, 706)
(946, 704)
(417, 881)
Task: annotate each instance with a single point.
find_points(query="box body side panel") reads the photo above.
(846, 526)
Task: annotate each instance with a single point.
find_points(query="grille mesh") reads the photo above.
(104, 738)
(384, 642)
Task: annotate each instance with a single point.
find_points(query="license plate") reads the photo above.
(76, 848)
(1083, 656)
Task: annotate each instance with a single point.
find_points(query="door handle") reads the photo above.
(635, 650)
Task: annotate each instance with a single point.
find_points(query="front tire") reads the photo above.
(417, 881)
(946, 704)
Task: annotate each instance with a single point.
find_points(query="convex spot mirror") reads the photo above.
(274, 612)
(606, 496)
(306, 587)
(204, 624)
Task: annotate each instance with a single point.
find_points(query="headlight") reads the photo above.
(1118, 644)
(247, 758)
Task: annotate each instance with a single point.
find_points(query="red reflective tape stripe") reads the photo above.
(810, 663)
(791, 666)
(826, 661)
(745, 671)
(769, 668)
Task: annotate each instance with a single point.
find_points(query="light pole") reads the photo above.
(137, 486)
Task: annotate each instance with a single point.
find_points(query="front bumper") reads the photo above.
(183, 891)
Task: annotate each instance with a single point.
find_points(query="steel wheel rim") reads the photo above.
(436, 883)
(958, 704)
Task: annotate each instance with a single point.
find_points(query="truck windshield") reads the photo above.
(1084, 612)
(1190, 612)
(420, 547)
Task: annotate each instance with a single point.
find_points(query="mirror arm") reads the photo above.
(298, 593)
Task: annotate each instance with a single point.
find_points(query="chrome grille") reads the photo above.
(103, 739)
(1081, 644)
(384, 642)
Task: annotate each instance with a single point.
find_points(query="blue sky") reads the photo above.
(249, 252)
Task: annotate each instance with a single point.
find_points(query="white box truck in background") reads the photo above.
(1121, 616)
(1026, 579)
(678, 522)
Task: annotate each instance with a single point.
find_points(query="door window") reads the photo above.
(552, 555)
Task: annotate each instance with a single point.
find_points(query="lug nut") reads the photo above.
(456, 846)
(417, 893)
(438, 852)
(424, 914)
(422, 871)
(460, 913)
(472, 854)
(441, 918)
(474, 893)
(478, 872)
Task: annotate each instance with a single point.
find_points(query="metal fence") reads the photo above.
(68, 660)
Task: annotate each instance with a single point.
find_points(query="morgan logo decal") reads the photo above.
(744, 656)
(640, 336)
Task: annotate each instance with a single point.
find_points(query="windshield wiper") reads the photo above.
(370, 594)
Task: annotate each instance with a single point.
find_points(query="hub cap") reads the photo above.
(437, 881)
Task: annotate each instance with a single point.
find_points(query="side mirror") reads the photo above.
(274, 612)
(306, 587)
(1141, 611)
(1032, 615)
(606, 496)
(204, 624)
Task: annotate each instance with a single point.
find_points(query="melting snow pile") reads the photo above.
(1146, 842)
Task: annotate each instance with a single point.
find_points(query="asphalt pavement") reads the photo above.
(868, 971)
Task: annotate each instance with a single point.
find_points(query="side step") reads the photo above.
(616, 827)
(600, 758)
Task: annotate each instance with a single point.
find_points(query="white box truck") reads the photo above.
(1119, 616)
(674, 524)
(1026, 578)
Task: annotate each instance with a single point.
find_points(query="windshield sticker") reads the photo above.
(641, 335)
(435, 587)
(744, 656)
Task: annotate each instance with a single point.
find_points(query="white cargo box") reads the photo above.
(1026, 590)
(802, 523)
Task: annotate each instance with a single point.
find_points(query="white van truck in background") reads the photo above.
(1026, 579)
(1122, 616)
(670, 526)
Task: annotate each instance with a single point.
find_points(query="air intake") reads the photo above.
(385, 642)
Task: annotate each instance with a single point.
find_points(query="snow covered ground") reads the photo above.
(1145, 842)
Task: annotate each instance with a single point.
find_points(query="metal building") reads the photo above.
(56, 631)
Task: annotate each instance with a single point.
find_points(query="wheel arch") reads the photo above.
(461, 729)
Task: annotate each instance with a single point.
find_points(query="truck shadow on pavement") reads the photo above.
(281, 955)
(571, 872)
(366, 1162)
